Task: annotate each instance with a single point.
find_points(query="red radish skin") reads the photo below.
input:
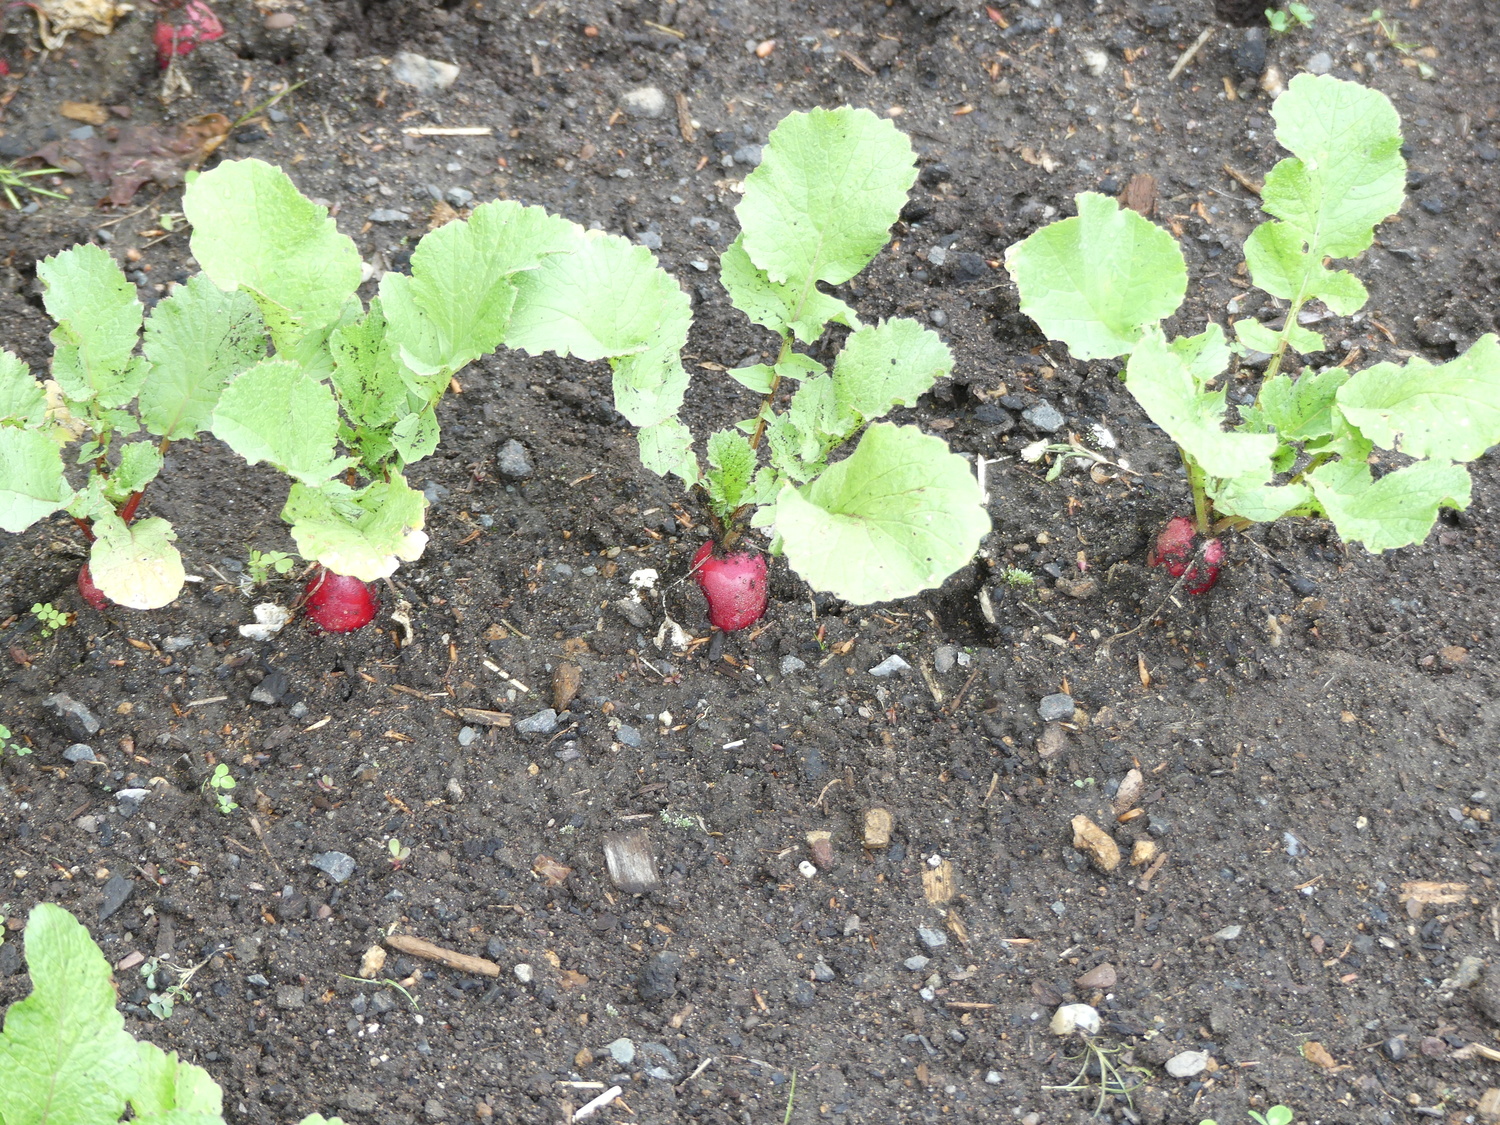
(91, 593)
(734, 584)
(1174, 549)
(198, 25)
(337, 603)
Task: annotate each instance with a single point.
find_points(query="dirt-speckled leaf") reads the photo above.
(276, 412)
(135, 565)
(32, 484)
(1450, 411)
(1097, 280)
(366, 377)
(23, 400)
(804, 310)
(365, 534)
(897, 516)
(415, 436)
(197, 340)
(821, 203)
(732, 464)
(1397, 510)
(889, 364)
(649, 386)
(1205, 355)
(98, 322)
(140, 462)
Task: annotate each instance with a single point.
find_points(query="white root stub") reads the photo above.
(1071, 1018)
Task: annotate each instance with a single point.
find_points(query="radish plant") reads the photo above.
(1311, 441)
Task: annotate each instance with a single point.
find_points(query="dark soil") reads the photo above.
(1313, 735)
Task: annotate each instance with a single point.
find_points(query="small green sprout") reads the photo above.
(1295, 15)
(221, 782)
(261, 565)
(50, 617)
(1391, 29)
(1017, 579)
(1276, 1115)
(399, 855)
(13, 179)
(20, 749)
(1114, 1081)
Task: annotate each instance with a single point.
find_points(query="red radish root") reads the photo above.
(1175, 549)
(733, 583)
(337, 603)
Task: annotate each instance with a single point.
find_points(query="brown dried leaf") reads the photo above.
(1099, 844)
(1130, 791)
(442, 213)
(552, 871)
(565, 683)
(128, 156)
(90, 113)
(1140, 194)
(1317, 1054)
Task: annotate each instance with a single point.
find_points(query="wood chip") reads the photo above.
(372, 963)
(1099, 844)
(1489, 1106)
(1129, 792)
(553, 872)
(878, 826)
(1139, 194)
(89, 113)
(405, 943)
(685, 119)
(628, 856)
(1317, 1054)
(1421, 893)
(1477, 1050)
(937, 883)
(488, 718)
(565, 683)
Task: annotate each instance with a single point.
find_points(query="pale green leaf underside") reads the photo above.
(197, 340)
(252, 229)
(276, 412)
(897, 516)
(889, 364)
(366, 377)
(1302, 409)
(1205, 355)
(415, 436)
(22, 398)
(140, 462)
(171, 1092)
(1397, 510)
(821, 203)
(667, 447)
(1450, 412)
(802, 309)
(1256, 501)
(98, 320)
(1256, 336)
(365, 534)
(1167, 390)
(649, 386)
(32, 484)
(135, 565)
(1097, 280)
(756, 377)
(65, 1058)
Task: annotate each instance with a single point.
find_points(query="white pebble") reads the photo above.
(807, 869)
(524, 973)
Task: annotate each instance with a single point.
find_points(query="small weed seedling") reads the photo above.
(1305, 444)
(13, 179)
(65, 1054)
(218, 785)
(1294, 15)
(398, 854)
(1113, 1081)
(50, 618)
(1017, 579)
(1276, 1115)
(162, 1004)
(260, 566)
(7, 743)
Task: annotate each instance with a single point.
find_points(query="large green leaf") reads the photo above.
(1450, 412)
(649, 386)
(276, 412)
(1397, 510)
(365, 534)
(1096, 281)
(65, 1058)
(821, 203)
(456, 304)
(171, 1092)
(1257, 501)
(1302, 409)
(366, 377)
(253, 230)
(23, 400)
(1167, 389)
(804, 310)
(98, 321)
(135, 565)
(197, 340)
(667, 447)
(140, 462)
(897, 516)
(32, 484)
(886, 365)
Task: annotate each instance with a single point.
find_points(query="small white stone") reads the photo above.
(1083, 1018)
(807, 869)
(645, 101)
(524, 973)
(1187, 1064)
(1095, 60)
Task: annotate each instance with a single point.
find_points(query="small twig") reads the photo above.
(1243, 180)
(405, 943)
(1188, 572)
(952, 708)
(1188, 55)
(261, 836)
(701, 1067)
(589, 1108)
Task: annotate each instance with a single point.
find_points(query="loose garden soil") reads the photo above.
(1316, 737)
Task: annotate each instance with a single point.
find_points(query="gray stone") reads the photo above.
(77, 718)
(944, 658)
(1187, 1064)
(82, 133)
(1056, 708)
(748, 155)
(916, 964)
(890, 666)
(389, 215)
(932, 940)
(645, 101)
(658, 981)
(660, 1051)
(130, 800)
(513, 462)
(176, 644)
(628, 736)
(467, 736)
(1229, 933)
(459, 197)
(270, 690)
(660, 1073)
(937, 256)
(336, 865)
(622, 1051)
(1321, 63)
(116, 891)
(790, 664)
(543, 722)
(383, 1001)
(1044, 417)
(427, 75)
(434, 1110)
(359, 1101)
(803, 994)
(1395, 1048)
(823, 972)
(634, 612)
(290, 997)
(650, 239)
(80, 752)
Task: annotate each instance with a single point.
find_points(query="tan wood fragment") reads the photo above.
(937, 883)
(1100, 845)
(417, 947)
(878, 826)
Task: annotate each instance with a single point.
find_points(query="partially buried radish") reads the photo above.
(337, 603)
(198, 24)
(1175, 548)
(91, 593)
(734, 584)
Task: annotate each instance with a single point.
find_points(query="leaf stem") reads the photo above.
(760, 423)
(1197, 482)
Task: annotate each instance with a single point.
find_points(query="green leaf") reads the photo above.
(801, 437)
(733, 466)
(32, 484)
(1345, 176)
(366, 377)
(821, 203)
(1397, 510)
(649, 385)
(757, 377)
(799, 367)
(253, 230)
(1206, 354)
(98, 320)
(23, 400)
(1256, 336)
(197, 340)
(65, 1058)
(606, 299)
(135, 565)
(1303, 409)
(890, 364)
(275, 412)
(455, 306)
(1096, 281)
(804, 310)
(365, 534)
(667, 447)
(1450, 412)
(171, 1091)
(140, 462)
(1167, 389)
(1257, 501)
(415, 436)
(897, 516)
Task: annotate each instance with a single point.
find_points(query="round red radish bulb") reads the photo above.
(91, 593)
(1175, 548)
(199, 25)
(337, 603)
(734, 584)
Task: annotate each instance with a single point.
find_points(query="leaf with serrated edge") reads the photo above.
(415, 436)
(253, 230)
(822, 201)
(23, 400)
(365, 534)
(1450, 412)
(197, 340)
(667, 447)
(1206, 354)
(98, 320)
(1302, 409)
(65, 1058)
(889, 364)
(607, 298)
(1256, 501)
(805, 310)
(1168, 391)
(455, 305)
(1397, 510)
(366, 377)
(171, 1092)
(140, 462)
(733, 465)
(897, 516)
(32, 484)
(135, 565)
(1097, 280)
(649, 386)
(275, 412)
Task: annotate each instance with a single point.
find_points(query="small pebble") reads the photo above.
(808, 870)
(524, 973)
(1321, 63)
(1044, 417)
(890, 666)
(543, 722)
(513, 462)
(931, 939)
(790, 664)
(1056, 708)
(389, 215)
(916, 964)
(622, 1051)
(944, 658)
(1187, 1064)
(645, 101)
(467, 736)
